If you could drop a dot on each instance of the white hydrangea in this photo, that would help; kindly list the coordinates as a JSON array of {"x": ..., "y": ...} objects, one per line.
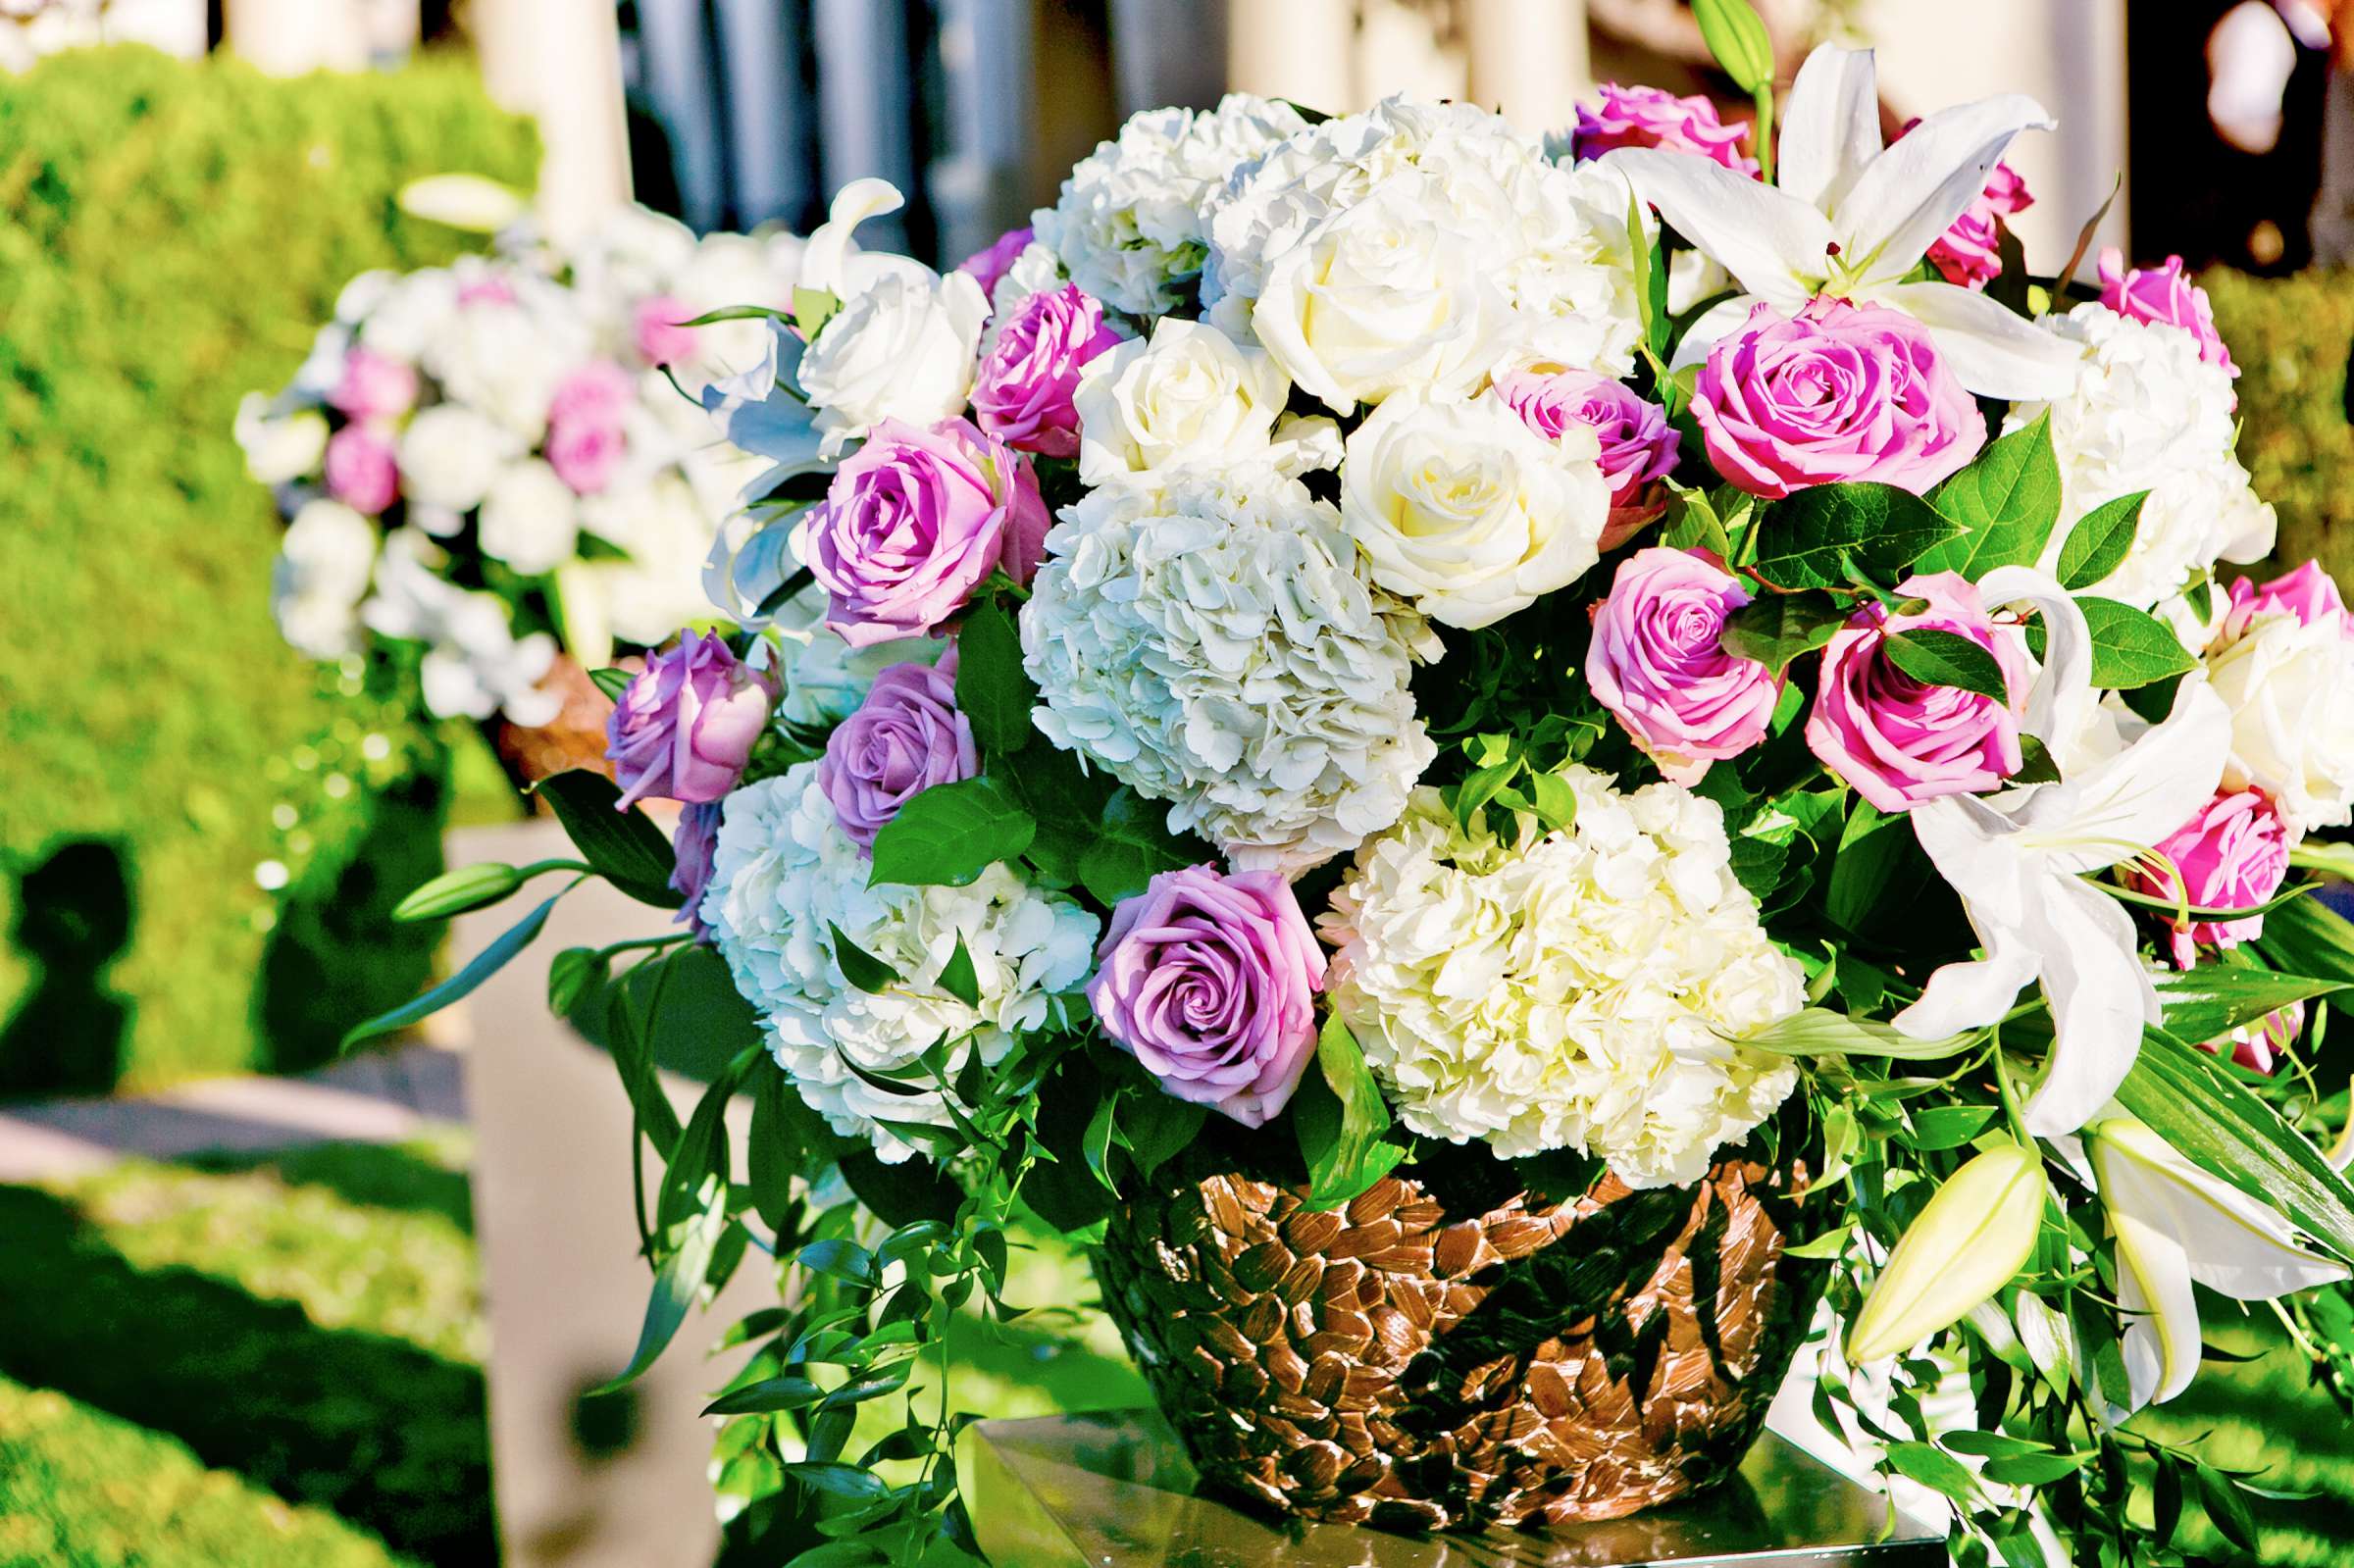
[
  {"x": 783, "y": 873},
  {"x": 826, "y": 680},
  {"x": 321, "y": 576},
  {"x": 474, "y": 664},
  {"x": 1214, "y": 644},
  {"x": 1130, "y": 218},
  {"x": 1571, "y": 990},
  {"x": 2148, "y": 414}
]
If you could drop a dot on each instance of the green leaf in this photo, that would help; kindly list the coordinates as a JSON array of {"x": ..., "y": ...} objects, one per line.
[
  {"x": 1736, "y": 35},
  {"x": 2006, "y": 502},
  {"x": 993, "y": 691},
  {"x": 1128, "y": 845},
  {"x": 2097, "y": 545},
  {"x": 1159, "y": 1125},
  {"x": 1554, "y": 801},
  {"x": 624, "y": 846},
  {"x": 950, "y": 834},
  {"x": 1990, "y": 1445},
  {"x": 859, "y": 967},
  {"x": 1339, "y": 1115},
  {"x": 485, "y": 964},
  {"x": 812, "y": 308},
  {"x": 1480, "y": 786},
  {"x": 841, "y": 1260},
  {"x": 1879, "y": 867},
  {"x": 568, "y": 976},
  {"x": 1950, "y": 1125},
  {"x": 2308, "y": 938},
  {"x": 788, "y": 1391},
  {"x": 454, "y": 892},
  {"x": 1940, "y": 658},
  {"x": 2130, "y": 647},
  {"x": 1934, "y": 1469},
  {"x": 2226, "y": 1509},
  {"x": 612, "y": 682},
  {"x": 1815, "y": 535},
  {"x": 736, "y": 313},
  {"x": 1775, "y": 628},
  {"x": 1095, "y": 1145},
  {"x": 2188, "y": 1098},
  {"x": 1821, "y": 1031},
  {"x": 2034, "y": 1469},
  {"x": 956, "y": 975},
  {"x": 1697, "y": 527},
  {"x": 2210, "y": 1001},
  {"x": 677, "y": 1283}
]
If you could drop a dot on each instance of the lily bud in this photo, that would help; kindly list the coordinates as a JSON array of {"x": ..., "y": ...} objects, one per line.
[{"x": 1977, "y": 1234}]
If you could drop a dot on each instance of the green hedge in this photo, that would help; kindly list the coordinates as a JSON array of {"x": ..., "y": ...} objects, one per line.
[
  {"x": 2291, "y": 337},
  {"x": 170, "y": 238}
]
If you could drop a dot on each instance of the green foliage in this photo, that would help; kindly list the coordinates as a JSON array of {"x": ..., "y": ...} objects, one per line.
[
  {"x": 169, "y": 237},
  {"x": 2291, "y": 338}
]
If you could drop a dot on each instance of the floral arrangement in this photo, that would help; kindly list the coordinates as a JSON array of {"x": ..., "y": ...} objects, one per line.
[
  {"x": 1314, "y": 649},
  {"x": 486, "y": 465}
]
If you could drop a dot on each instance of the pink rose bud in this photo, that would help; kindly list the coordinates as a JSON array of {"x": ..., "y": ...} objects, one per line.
[
  {"x": 905, "y": 737},
  {"x": 373, "y": 385},
  {"x": 1836, "y": 392},
  {"x": 986, "y": 267},
  {"x": 2164, "y": 296},
  {"x": 1970, "y": 253},
  {"x": 2308, "y": 593},
  {"x": 913, "y": 521},
  {"x": 686, "y": 723},
  {"x": 1655, "y": 663},
  {"x": 1652, "y": 117},
  {"x": 1022, "y": 393},
  {"x": 585, "y": 438},
  {"x": 1899, "y": 741},
  {"x": 692, "y": 845},
  {"x": 656, "y": 327},
  {"x": 361, "y": 471},
  {"x": 1638, "y": 445},
  {"x": 2232, "y": 856},
  {"x": 1209, "y": 981}
]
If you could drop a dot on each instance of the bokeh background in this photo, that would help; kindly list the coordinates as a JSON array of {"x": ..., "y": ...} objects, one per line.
[{"x": 243, "y": 1314}]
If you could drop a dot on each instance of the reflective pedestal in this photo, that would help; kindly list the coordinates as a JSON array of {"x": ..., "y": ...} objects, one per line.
[{"x": 1114, "y": 1491}]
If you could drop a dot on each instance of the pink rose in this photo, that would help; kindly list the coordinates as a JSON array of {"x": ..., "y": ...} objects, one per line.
[
  {"x": 913, "y": 521},
  {"x": 2163, "y": 295},
  {"x": 987, "y": 266},
  {"x": 905, "y": 737},
  {"x": 373, "y": 385},
  {"x": 1209, "y": 981},
  {"x": 1970, "y": 253},
  {"x": 585, "y": 440},
  {"x": 361, "y": 471},
  {"x": 1022, "y": 392},
  {"x": 685, "y": 724},
  {"x": 657, "y": 327},
  {"x": 1657, "y": 663},
  {"x": 1651, "y": 117},
  {"x": 2308, "y": 593},
  {"x": 2232, "y": 856},
  {"x": 1898, "y": 740},
  {"x": 1836, "y": 392},
  {"x": 1638, "y": 445}
]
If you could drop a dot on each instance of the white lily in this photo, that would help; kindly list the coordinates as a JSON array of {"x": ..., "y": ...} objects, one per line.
[
  {"x": 2018, "y": 861},
  {"x": 2175, "y": 1224},
  {"x": 1852, "y": 219}
]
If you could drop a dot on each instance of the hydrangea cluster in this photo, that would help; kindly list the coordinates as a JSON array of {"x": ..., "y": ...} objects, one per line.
[
  {"x": 1580, "y": 990},
  {"x": 784, "y": 876}
]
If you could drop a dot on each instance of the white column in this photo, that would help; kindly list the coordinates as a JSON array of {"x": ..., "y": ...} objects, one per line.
[
  {"x": 289, "y": 38},
  {"x": 864, "y": 95},
  {"x": 985, "y": 55},
  {"x": 768, "y": 121},
  {"x": 1304, "y": 50},
  {"x": 559, "y": 61},
  {"x": 1528, "y": 59}
]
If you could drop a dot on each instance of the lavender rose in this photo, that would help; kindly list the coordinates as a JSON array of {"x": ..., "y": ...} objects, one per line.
[
  {"x": 905, "y": 737},
  {"x": 2163, "y": 295},
  {"x": 2232, "y": 856},
  {"x": 373, "y": 385},
  {"x": 1638, "y": 445},
  {"x": 361, "y": 469},
  {"x": 1900, "y": 741},
  {"x": 692, "y": 845},
  {"x": 913, "y": 521},
  {"x": 1022, "y": 393},
  {"x": 686, "y": 723},
  {"x": 1838, "y": 391},
  {"x": 1652, "y": 117},
  {"x": 1655, "y": 662},
  {"x": 1207, "y": 981},
  {"x": 585, "y": 440}
]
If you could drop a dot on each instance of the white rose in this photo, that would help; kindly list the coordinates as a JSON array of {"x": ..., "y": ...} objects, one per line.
[
  {"x": 531, "y": 518},
  {"x": 509, "y": 360},
  {"x": 320, "y": 577},
  {"x": 450, "y": 456},
  {"x": 407, "y": 314},
  {"x": 279, "y": 448},
  {"x": 1189, "y": 395},
  {"x": 2290, "y": 690},
  {"x": 1390, "y": 293},
  {"x": 1464, "y": 509},
  {"x": 904, "y": 348}
]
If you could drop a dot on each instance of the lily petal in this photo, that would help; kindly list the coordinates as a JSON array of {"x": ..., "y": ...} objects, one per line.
[
  {"x": 2064, "y": 690},
  {"x": 1973, "y": 847},
  {"x": 1913, "y": 191},
  {"x": 2117, "y": 808},
  {"x": 1830, "y": 127},
  {"x": 854, "y": 204},
  {"x": 2238, "y": 1244},
  {"x": 2160, "y": 1344},
  {"x": 2100, "y": 996},
  {"x": 1710, "y": 324},
  {"x": 1993, "y": 351},
  {"x": 1774, "y": 243}
]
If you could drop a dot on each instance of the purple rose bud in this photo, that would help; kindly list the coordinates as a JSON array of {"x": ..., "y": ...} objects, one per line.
[
  {"x": 1022, "y": 393},
  {"x": 2232, "y": 856},
  {"x": 361, "y": 471},
  {"x": 686, "y": 724},
  {"x": 1638, "y": 444},
  {"x": 1208, "y": 980},
  {"x": 1655, "y": 662},
  {"x": 913, "y": 521},
  {"x": 1836, "y": 392},
  {"x": 657, "y": 327},
  {"x": 373, "y": 385},
  {"x": 1970, "y": 252},
  {"x": 1652, "y": 117},
  {"x": 2163, "y": 295},
  {"x": 1899, "y": 741},
  {"x": 585, "y": 440},
  {"x": 986, "y": 267},
  {"x": 905, "y": 737},
  {"x": 691, "y": 846}
]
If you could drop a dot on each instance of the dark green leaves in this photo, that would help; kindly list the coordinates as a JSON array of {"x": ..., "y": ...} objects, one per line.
[
  {"x": 624, "y": 846},
  {"x": 950, "y": 834},
  {"x": 2006, "y": 504},
  {"x": 862, "y": 968},
  {"x": 1340, "y": 1118},
  {"x": 1813, "y": 537},
  {"x": 1127, "y": 844},
  {"x": 1946, "y": 659},
  {"x": 2129, "y": 647},
  {"x": 956, "y": 975},
  {"x": 489, "y": 961},
  {"x": 1736, "y": 35},
  {"x": 1775, "y": 628},
  {"x": 991, "y": 691},
  {"x": 2097, "y": 545}
]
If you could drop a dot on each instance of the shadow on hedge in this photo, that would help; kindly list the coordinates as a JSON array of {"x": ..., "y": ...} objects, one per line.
[
  {"x": 385, "y": 1434},
  {"x": 75, "y": 911}
]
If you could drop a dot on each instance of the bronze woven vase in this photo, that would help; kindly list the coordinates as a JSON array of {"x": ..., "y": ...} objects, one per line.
[{"x": 1431, "y": 1358}]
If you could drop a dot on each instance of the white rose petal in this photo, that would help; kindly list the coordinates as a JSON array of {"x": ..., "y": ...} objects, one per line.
[
  {"x": 904, "y": 348},
  {"x": 450, "y": 456},
  {"x": 2290, "y": 690},
  {"x": 531, "y": 518},
  {"x": 1190, "y": 394}
]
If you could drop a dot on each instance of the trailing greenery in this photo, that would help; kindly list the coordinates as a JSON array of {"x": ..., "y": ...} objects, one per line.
[
  {"x": 2291, "y": 337},
  {"x": 169, "y": 234}
]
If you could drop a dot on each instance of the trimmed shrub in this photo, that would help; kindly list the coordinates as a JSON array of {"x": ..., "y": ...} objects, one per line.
[
  {"x": 170, "y": 237},
  {"x": 2291, "y": 337}
]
